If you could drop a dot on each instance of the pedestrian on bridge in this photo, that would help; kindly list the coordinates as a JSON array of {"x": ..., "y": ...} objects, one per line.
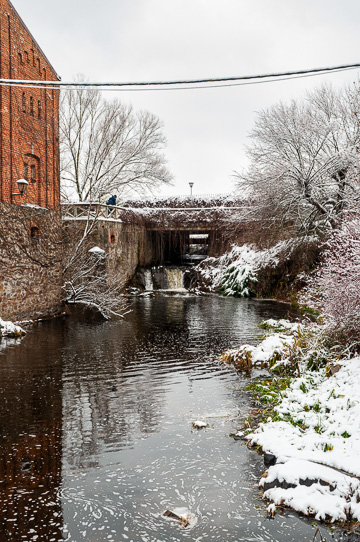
[{"x": 111, "y": 201}]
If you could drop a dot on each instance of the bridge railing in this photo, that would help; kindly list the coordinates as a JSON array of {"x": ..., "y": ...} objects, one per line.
[{"x": 91, "y": 211}]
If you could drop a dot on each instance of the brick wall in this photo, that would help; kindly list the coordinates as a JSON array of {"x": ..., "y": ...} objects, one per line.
[{"x": 29, "y": 117}]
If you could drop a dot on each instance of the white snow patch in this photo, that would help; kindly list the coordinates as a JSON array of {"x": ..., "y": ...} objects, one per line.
[
  {"x": 9, "y": 329},
  {"x": 97, "y": 250}
]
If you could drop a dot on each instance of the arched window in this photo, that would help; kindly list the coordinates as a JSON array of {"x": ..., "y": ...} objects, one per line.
[
  {"x": 39, "y": 109},
  {"x": 26, "y": 171},
  {"x": 33, "y": 173},
  {"x": 24, "y": 102},
  {"x": 31, "y": 106},
  {"x": 113, "y": 238}
]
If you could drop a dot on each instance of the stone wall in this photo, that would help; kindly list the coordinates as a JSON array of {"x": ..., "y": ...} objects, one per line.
[
  {"x": 127, "y": 246},
  {"x": 30, "y": 262}
]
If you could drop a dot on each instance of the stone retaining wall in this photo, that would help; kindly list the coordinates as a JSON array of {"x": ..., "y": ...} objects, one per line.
[{"x": 30, "y": 262}]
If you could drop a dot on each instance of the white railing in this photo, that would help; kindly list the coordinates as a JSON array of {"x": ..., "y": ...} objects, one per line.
[
  {"x": 91, "y": 211},
  {"x": 101, "y": 211}
]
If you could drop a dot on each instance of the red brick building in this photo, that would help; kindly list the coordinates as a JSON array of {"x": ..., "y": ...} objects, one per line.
[
  {"x": 30, "y": 241},
  {"x": 29, "y": 117}
]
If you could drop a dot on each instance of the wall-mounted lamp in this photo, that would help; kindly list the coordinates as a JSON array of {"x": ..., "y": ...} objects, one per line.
[{"x": 22, "y": 186}]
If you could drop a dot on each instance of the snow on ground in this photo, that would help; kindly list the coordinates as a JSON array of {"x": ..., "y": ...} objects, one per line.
[
  {"x": 237, "y": 269},
  {"x": 317, "y": 426},
  {"x": 8, "y": 329}
]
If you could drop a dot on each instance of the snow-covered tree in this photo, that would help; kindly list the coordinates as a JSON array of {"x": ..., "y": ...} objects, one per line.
[
  {"x": 108, "y": 148},
  {"x": 303, "y": 160},
  {"x": 334, "y": 288}
]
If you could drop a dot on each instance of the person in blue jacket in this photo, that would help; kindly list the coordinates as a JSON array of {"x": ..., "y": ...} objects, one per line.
[{"x": 111, "y": 201}]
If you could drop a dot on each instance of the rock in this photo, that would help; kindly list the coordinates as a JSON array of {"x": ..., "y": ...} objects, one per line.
[
  {"x": 239, "y": 435},
  {"x": 269, "y": 460},
  {"x": 182, "y": 520},
  {"x": 199, "y": 424},
  {"x": 332, "y": 368}
]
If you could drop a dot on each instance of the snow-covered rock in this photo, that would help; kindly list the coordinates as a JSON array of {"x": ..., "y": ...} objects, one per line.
[{"x": 8, "y": 329}]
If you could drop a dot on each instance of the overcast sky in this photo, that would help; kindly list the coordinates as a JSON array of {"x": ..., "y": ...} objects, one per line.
[{"x": 137, "y": 40}]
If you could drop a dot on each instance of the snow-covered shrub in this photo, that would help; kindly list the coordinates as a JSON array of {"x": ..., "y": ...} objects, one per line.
[
  {"x": 236, "y": 272},
  {"x": 335, "y": 288},
  {"x": 237, "y": 281}
]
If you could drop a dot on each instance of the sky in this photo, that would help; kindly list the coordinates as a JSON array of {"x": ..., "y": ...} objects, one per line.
[{"x": 207, "y": 130}]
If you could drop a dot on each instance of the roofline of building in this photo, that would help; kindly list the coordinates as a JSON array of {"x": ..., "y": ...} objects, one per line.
[{"x": 34, "y": 40}]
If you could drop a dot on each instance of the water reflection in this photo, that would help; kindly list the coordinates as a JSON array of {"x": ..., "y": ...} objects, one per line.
[
  {"x": 31, "y": 443},
  {"x": 96, "y": 428}
]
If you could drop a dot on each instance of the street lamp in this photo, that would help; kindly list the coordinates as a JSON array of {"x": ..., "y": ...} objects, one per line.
[
  {"x": 191, "y": 187},
  {"x": 22, "y": 186}
]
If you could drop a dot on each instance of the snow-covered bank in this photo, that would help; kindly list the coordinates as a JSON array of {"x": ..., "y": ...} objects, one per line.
[
  {"x": 236, "y": 271},
  {"x": 8, "y": 329},
  {"x": 247, "y": 270},
  {"x": 314, "y": 433},
  {"x": 272, "y": 348}
]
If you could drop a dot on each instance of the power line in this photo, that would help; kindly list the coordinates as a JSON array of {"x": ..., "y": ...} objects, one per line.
[{"x": 185, "y": 84}]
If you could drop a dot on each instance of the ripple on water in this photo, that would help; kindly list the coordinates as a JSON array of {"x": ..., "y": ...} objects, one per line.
[{"x": 103, "y": 412}]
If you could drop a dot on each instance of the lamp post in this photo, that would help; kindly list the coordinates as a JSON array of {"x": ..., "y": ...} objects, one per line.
[
  {"x": 191, "y": 188},
  {"x": 22, "y": 186}
]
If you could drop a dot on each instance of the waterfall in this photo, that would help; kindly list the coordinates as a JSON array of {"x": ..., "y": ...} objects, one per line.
[
  {"x": 174, "y": 278},
  {"x": 162, "y": 278},
  {"x": 148, "y": 280}
]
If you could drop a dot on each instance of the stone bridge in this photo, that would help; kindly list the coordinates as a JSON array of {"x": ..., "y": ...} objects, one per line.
[{"x": 176, "y": 230}]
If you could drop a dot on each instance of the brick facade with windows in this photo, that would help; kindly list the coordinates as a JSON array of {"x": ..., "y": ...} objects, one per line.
[
  {"x": 29, "y": 117},
  {"x": 30, "y": 238}
]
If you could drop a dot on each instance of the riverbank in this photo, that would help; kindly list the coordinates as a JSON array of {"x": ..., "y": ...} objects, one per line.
[
  {"x": 309, "y": 427},
  {"x": 250, "y": 271}
]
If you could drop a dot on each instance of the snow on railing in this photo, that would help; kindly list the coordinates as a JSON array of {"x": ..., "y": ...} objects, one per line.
[{"x": 101, "y": 211}]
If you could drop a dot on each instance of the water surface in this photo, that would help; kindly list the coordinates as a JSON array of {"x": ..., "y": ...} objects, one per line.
[{"x": 96, "y": 428}]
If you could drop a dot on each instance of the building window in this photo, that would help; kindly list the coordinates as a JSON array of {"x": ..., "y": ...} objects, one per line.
[
  {"x": 33, "y": 174},
  {"x": 38, "y": 63},
  {"x": 26, "y": 171},
  {"x": 39, "y": 109},
  {"x": 24, "y": 102},
  {"x": 113, "y": 238},
  {"x": 31, "y": 106}
]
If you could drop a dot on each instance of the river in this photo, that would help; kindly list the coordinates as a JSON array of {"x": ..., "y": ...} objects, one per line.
[{"x": 96, "y": 428}]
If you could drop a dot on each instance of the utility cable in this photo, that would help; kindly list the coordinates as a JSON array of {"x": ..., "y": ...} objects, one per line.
[{"x": 208, "y": 83}]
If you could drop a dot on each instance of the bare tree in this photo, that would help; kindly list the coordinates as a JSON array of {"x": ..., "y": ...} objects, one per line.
[
  {"x": 106, "y": 147},
  {"x": 303, "y": 160},
  {"x": 87, "y": 281}
]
